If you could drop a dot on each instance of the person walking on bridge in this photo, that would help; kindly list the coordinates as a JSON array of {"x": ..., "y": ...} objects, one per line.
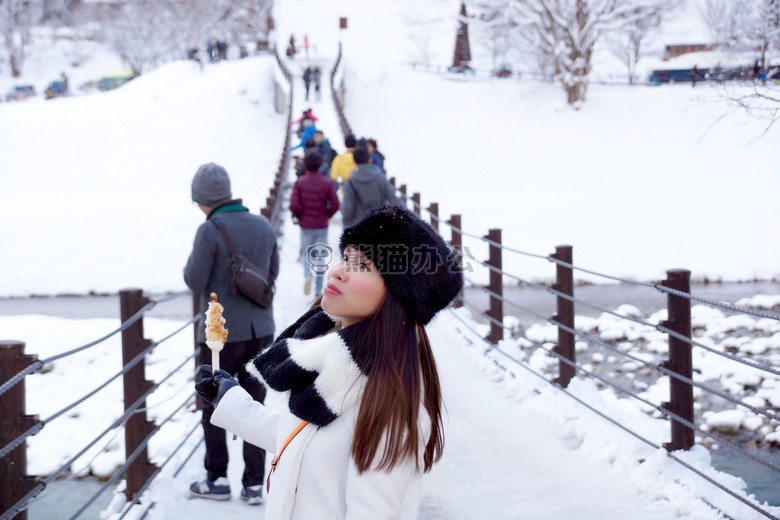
[
  {"x": 307, "y": 80},
  {"x": 313, "y": 202},
  {"x": 366, "y": 187},
  {"x": 342, "y": 165},
  {"x": 362, "y": 417},
  {"x": 209, "y": 269}
]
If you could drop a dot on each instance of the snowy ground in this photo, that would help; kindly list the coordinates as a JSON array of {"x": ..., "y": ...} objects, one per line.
[{"x": 99, "y": 201}]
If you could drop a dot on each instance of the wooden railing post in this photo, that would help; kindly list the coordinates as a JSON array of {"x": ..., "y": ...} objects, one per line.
[
  {"x": 456, "y": 243},
  {"x": 680, "y": 359},
  {"x": 496, "y": 287},
  {"x": 14, "y": 482},
  {"x": 195, "y": 328},
  {"x": 433, "y": 209},
  {"x": 565, "y": 315},
  {"x": 416, "y": 203},
  {"x": 137, "y": 427}
]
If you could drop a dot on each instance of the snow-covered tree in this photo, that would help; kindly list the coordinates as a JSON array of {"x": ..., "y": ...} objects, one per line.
[
  {"x": 248, "y": 20},
  {"x": 725, "y": 19},
  {"x": 628, "y": 43},
  {"x": 82, "y": 36},
  {"x": 195, "y": 21},
  {"x": 139, "y": 31},
  {"x": 17, "y": 18},
  {"x": 497, "y": 34},
  {"x": 567, "y": 31},
  {"x": 763, "y": 28}
]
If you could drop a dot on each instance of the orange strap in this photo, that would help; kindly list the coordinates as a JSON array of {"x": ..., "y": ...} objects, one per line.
[{"x": 276, "y": 458}]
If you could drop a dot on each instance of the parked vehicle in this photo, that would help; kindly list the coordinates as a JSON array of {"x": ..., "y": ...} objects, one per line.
[
  {"x": 20, "y": 93},
  {"x": 56, "y": 89},
  {"x": 115, "y": 79},
  {"x": 463, "y": 68},
  {"x": 504, "y": 71}
]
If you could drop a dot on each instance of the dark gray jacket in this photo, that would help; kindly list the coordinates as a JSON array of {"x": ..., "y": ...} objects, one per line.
[
  {"x": 208, "y": 270},
  {"x": 367, "y": 186}
]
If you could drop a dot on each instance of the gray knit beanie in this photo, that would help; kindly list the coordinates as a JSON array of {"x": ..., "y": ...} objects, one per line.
[{"x": 211, "y": 186}]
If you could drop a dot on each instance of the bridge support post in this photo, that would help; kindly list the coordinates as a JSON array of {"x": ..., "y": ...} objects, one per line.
[
  {"x": 496, "y": 287},
  {"x": 416, "y": 206},
  {"x": 13, "y": 422},
  {"x": 680, "y": 359},
  {"x": 565, "y": 314},
  {"x": 456, "y": 243},
  {"x": 195, "y": 327},
  {"x": 137, "y": 427},
  {"x": 433, "y": 209}
]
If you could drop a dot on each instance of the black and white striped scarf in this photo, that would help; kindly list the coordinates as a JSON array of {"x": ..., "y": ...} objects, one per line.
[{"x": 323, "y": 371}]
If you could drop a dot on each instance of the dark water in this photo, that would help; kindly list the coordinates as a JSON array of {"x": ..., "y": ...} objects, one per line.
[
  {"x": 62, "y": 499},
  {"x": 762, "y": 481}
]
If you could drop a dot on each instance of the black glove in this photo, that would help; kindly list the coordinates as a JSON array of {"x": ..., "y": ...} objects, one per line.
[{"x": 213, "y": 386}]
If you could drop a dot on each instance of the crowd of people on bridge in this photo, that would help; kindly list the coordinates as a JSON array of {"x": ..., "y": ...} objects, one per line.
[
  {"x": 363, "y": 414},
  {"x": 358, "y": 175}
]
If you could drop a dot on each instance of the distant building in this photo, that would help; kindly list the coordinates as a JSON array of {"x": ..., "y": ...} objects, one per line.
[{"x": 672, "y": 51}]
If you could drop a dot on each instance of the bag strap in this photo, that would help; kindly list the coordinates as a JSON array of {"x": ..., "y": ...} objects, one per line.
[
  {"x": 228, "y": 242},
  {"x": 295, "y": 432}
]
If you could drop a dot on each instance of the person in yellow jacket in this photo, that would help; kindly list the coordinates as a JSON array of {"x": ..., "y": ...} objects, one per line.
[{"x": 342, "y": 165}]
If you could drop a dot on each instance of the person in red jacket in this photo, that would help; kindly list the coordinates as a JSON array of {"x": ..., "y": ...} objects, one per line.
[{"x": 313, "y": 202}]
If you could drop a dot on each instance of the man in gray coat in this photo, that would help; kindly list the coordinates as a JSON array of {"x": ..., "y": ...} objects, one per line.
[
  {"x": 367, "y": 186},
  {"x": 250, "y": 327}
]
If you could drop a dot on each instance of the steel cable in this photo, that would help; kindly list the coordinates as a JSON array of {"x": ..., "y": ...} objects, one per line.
[
  {"x": 724, "y": 305},
  {"x": 38, "y": 364},
  {"x": 663, "y": 411},
  {"x": 666, "y": 330},
  {"x": 491, "y": 318},
  {"x": 39, "y": 425},
  {"x": 172, "y": 297},
  {"x": 655, "y": 285},
  {"x": 635, "y": 434},
  {"x": 136, "y": 453},
  {"x": 154, "y": 475},
  {"x": 603, "y": 344}
]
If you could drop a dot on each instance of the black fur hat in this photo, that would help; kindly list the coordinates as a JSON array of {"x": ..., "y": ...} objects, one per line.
[{"x": 416, "y": 264}]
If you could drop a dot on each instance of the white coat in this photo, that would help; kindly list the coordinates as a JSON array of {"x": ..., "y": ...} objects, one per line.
[{"x": 316, "y": 477}]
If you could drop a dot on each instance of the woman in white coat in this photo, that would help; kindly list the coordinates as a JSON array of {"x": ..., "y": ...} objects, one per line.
[{"x": 363, "y": 415}]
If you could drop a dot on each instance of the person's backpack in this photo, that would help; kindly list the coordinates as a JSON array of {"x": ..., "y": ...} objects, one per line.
[{"x": 248, "y": 279}]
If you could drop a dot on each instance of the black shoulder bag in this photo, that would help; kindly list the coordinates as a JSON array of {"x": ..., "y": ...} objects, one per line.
[{"x": 248, "y": 279}]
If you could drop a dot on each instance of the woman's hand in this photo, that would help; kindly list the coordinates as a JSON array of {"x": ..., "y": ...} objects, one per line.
[{"x": 214, "y": 385}]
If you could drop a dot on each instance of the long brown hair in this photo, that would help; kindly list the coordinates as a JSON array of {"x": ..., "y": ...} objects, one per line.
[{"x": 401, "y": 371}]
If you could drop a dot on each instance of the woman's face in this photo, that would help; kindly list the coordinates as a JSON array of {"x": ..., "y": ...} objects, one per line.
[{"x": 355, "y": 288}]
